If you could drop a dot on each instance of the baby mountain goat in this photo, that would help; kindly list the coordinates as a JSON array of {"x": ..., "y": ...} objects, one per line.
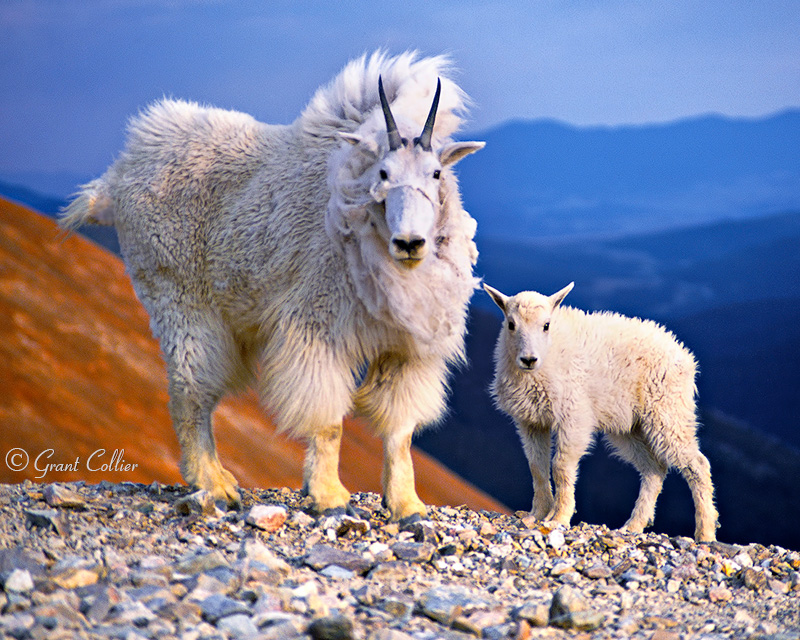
[
  {"x": 331, "y": 256},
  {"x": 562, "y": 372}
]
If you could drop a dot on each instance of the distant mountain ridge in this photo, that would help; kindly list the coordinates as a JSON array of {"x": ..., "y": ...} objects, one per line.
[{"x": 549, "y": 179}]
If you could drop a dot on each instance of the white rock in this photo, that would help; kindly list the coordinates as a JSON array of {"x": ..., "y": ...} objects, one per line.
[
  {"x": 19, "y": 581},
  {"x": 743, "y": 559},
  {"x": 268, "y": 517},
  {"x": 556, "y": 539}
]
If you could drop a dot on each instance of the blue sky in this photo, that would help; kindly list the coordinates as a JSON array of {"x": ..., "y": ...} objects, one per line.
[{"x": 73, "y": 71}]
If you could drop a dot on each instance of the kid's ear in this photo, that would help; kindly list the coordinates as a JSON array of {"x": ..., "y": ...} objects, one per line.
[
  {"x": 453, "y": 152},
  {"x": 558, "y": 297},
  {"x": 499, "y": 299}
]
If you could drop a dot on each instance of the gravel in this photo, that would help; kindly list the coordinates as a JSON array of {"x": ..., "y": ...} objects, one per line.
[{"x": 134, "y": 561}]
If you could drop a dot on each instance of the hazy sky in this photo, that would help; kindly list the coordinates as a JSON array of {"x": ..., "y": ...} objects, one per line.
[{"x": 73, "y": 71}]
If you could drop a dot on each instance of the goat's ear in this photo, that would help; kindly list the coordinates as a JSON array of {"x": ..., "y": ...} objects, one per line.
[
  {"x": 367, "y": 145},
  {"x": 558, "y": 297},
  {"x": 350, "y": 138},
  {"x": 499, "y": 299},
  {"x": 453, "y": 152}
]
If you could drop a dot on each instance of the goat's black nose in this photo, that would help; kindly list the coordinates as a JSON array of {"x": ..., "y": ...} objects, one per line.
[
  {"x": 528, "y": 362},
  {"x": 409, "y": 246}
]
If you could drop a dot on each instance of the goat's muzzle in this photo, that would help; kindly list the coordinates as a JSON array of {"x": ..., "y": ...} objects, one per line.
[
  {"x": 409, "y": 216},
  {"x": 528, "y": 363},
  {"x": 409, "y": 251}
]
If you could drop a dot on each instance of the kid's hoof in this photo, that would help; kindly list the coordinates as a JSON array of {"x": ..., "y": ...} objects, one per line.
[{"x": 631, "y": 528}]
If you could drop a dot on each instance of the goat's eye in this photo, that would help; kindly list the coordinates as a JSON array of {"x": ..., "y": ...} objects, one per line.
[
  {"x": 511, "y": 325},
  {"x": 437, "y": 174},
  {"x": 382, "y": 173},
  {"x": 546, "y": 326}
]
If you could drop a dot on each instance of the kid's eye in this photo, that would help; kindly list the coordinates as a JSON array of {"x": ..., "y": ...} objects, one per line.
[
  {"x": 511, "y": 325},
  {"x": 546, "y": 326},
  {"x": 437, "y": 174},
  {"x": 382, "y": 173}
]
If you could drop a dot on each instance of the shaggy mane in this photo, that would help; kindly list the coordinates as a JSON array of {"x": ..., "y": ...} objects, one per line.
[
  {"x": 351, "y": 98},
  {"x": 429, "y": 302}
]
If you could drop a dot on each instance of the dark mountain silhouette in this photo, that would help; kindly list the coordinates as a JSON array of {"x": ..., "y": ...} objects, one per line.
[
  {"x": 81, "y": 375},
  {"x": 543, "y": 178},
  {"x": 749, "y": 356}
]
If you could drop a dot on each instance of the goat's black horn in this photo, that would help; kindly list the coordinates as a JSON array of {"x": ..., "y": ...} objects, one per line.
[
  {"x": 395, "y": 141},
  {"x": 424, "y": 139}
]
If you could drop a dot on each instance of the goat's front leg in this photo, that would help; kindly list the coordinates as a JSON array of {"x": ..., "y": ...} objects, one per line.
[
  {"x": 321, "y": 470},
  {"x": 398, "y": 395},
  {"x": 536, "y": 443},
  {"x": 399, "y": 489},
  {"x": 571, "y": 442}
]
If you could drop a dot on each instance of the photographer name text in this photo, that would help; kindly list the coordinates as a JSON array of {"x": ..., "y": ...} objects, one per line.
[{"x": 99, "y": 461}]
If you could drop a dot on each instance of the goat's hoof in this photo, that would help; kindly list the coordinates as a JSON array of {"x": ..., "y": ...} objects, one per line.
[
  {"x": 410, "y": 509},
  {"x": 409, "y": 520},
  {"x": 332, "y": 504}
]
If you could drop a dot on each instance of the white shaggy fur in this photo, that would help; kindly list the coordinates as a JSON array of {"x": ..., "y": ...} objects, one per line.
[
  {"x": 274, "y": 249},
  {"x": 565, "y": 373}
]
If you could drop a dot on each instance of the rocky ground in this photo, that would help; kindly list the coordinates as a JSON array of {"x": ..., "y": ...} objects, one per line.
[{"x": 133, "y": 561}]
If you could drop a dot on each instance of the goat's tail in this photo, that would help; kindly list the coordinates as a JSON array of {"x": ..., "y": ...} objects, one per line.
[{"x": 92, "y": 205}]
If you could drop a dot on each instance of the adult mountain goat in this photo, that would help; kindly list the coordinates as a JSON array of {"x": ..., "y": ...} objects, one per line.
[
  {"x": 331, "y": 255},
  {"x": 565, "y": 373}
]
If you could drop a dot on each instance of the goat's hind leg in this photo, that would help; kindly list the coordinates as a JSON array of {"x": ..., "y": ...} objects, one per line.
[
  {"x": 697, "y": 473},
  {"x": 632, "y": 449},
  {"x": 199, "y": 370}
]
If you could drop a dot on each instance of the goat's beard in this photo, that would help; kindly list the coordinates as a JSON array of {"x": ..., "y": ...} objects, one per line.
[{"x": 429, "y": 302}]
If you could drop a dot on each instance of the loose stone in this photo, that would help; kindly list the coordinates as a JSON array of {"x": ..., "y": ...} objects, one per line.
[
  {"x": 19, "y": 581},
  {"x": 413, "y": 551},
  {"x": 754, "y": 579},
  {"x": 267, "y": 517},
  {"x": 323, "y": 555},
  {"x": 535, "y": 613},
  {"x": 238, "y": 626},
  {"x": 218, "y": 606},
  {"x": 331, "y": 628},
  {"x": 57, "y": 495}
]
